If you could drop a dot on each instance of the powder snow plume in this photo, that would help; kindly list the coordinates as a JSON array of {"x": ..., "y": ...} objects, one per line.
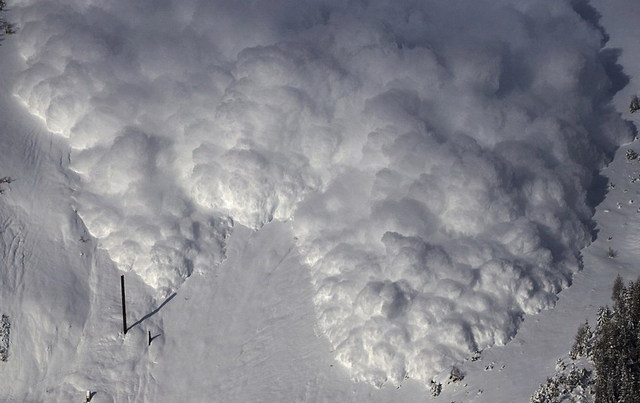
[{"x": 434, "y": 158}]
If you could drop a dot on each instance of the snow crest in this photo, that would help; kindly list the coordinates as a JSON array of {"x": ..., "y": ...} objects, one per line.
[{"x": 434, "y": 158}]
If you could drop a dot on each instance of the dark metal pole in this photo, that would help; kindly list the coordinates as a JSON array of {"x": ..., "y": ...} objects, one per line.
[{"x": 124, "y": 306}]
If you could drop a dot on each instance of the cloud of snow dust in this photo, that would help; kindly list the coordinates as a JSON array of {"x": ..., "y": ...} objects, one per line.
[{"x": 433, "y": 157}]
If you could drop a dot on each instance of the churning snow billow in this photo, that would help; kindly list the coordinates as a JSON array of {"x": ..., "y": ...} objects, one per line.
[{"x": 433, "y": 158}]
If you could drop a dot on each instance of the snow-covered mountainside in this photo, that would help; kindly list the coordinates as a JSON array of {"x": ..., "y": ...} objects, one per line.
[{"x": 310, "y": 201}]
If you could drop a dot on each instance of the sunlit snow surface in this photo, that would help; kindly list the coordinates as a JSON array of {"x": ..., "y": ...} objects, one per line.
[{"x": 433, "y": 157}]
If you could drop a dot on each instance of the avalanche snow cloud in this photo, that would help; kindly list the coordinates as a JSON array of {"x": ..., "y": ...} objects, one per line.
[{"x": 433, "y": 157}]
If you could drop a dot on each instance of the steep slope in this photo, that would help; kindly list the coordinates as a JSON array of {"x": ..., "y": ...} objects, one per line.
[
  {"x": 45, "y": 276},
  {"x": 246, "y": 326}
]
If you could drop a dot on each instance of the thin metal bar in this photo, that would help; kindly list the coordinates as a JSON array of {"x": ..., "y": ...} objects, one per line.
[{"x": 124, "y": 306}]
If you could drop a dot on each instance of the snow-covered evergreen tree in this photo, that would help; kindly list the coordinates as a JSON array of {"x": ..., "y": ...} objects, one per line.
[
  {"x": 5, "y": 26},
  {"x": 618, "y": 286},
  {"x": 572, "y": 384},
  {"x": 635, "y": 104},
  {"x": 616, "y": 350},
  {"x": 582, "y": 346},
  {"x": 436, "y": 388},
  {"x": 5, "y": 330}
]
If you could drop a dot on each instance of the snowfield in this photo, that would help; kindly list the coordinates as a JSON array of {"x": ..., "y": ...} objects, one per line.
[{"x": 317, "y": 201}]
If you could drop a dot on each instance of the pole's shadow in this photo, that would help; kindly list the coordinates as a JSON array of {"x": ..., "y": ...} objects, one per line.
[
  {"x": 151, "y": 339},
  {"x": 150, "y": 314}
]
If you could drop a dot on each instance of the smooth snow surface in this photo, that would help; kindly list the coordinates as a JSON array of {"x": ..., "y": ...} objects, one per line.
[
  {"x": 388, "y": 185},
  {"x": 433, "y": 158}
]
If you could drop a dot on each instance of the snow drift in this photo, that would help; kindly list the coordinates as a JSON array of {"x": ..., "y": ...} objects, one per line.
[{"x": 434, "y": 158}]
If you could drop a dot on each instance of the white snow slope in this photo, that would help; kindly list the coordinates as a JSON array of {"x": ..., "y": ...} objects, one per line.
[{"x": 310, "y": 201}]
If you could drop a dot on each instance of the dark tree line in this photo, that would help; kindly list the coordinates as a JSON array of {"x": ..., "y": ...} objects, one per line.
[
  {"x": 5, "y": 330},
  {"x": 614, "y": 346},
  {"x": 635, "y": 104},
  {"x": 6, "y": 28}
]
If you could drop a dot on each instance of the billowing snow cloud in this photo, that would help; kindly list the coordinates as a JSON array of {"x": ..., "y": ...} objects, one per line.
[{"x": 433, "y": 157}]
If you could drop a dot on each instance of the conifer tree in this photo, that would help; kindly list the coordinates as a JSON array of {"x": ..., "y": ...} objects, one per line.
[
  {"x": 616, "y": 347},
  {"x": 635, "y": 104},
  {"x": 603, "y": 355},
  {"x": 581, "y": 347},
  {"x": 616, "y": 293},
  {"x": 5, "y": 331},
  {"x": 6, "y": 28}
]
